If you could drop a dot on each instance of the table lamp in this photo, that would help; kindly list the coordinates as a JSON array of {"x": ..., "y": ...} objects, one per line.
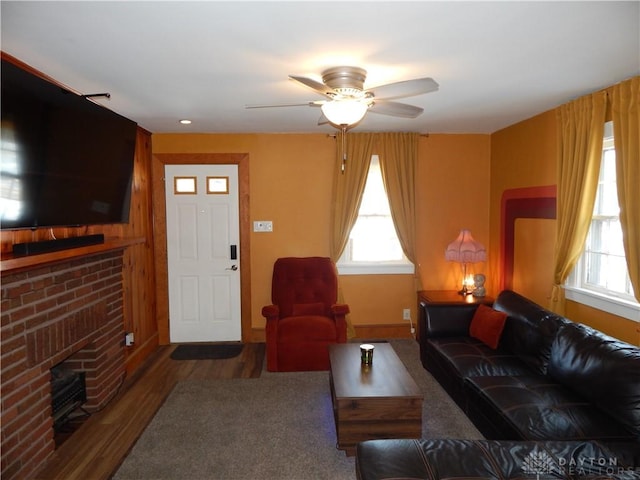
[{"x": 465, "y": 250}]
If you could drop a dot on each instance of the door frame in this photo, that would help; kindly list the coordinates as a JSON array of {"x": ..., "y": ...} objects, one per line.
[{"x": 159, "y": 160}]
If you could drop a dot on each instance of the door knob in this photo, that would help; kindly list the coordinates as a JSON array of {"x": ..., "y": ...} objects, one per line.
[{"x": 233, "y": 267}]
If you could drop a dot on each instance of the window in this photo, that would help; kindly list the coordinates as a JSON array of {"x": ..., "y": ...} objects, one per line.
[
  {"x": 601, "y": 278},
  {"x": 373, "y": 245},
  {"x": 185, "y": 185}
]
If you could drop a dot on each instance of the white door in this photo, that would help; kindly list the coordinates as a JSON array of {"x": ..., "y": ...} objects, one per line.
[{"x": 203, "y": 249}]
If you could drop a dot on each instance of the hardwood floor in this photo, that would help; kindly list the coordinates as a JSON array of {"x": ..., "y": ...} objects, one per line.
[{"x": 100, "y": 444}]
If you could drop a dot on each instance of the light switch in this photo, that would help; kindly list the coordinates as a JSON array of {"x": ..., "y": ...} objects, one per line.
[{"x": 263, "y": 226}]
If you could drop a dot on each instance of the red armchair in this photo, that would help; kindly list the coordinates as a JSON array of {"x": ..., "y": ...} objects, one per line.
[{"x": 304, "y": 318}]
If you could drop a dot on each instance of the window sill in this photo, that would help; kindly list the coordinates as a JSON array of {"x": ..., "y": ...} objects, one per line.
[
  {"x": 615, "y": 306},
  {"x": 376, "y": 269}
]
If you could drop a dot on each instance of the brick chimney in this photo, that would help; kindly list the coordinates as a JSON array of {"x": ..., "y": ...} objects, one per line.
[{"x": 70, "y": 311}]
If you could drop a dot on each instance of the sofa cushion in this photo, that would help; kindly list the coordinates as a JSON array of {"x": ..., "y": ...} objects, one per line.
[
  {"x": 445, "y": 320},
  {"x": 529, "y": 330},
  {"x": 538, "y": 408},
  {"x": 298, "y": 280},
  {"x": 450, "y": 359},
  {"x": 306, "y": 327},
  {"x": 487, "y": 325},
  {"x": 601, "y": 369},
  {"x": 432, "y": 459},
  {"x": 316, "y": 308},
  {"x": 468, "y": 357}
]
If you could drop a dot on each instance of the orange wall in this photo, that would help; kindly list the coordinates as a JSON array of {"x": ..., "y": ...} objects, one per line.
[
  {"x": 290, "y": 184},
  {"x": 531, "y": 244},
  {"x": 615, "y": 326},
  {"x": 453, "y": 193},
  {"x": 524, "y": 155},
  {"x": 461, "y": 179}
]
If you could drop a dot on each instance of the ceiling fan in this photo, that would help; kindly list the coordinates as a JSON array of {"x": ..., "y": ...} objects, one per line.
[{"x": 347, "y": 101}]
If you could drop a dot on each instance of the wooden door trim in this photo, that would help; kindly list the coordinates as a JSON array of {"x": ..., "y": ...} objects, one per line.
[{"x": 160, "y": 233}]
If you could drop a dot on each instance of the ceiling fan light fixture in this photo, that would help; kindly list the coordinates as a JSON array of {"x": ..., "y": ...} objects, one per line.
[
  {"x": 344, "y": 112},
  {"x": 346, "y": 100}
]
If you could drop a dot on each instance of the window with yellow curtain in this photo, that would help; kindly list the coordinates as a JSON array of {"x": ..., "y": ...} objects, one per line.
[
  {"x": 373, "y": 246},
  {"x": 601, "y": 278}
]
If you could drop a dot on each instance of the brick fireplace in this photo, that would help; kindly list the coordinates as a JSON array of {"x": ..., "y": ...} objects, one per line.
[{"x": 69, "y": 311}]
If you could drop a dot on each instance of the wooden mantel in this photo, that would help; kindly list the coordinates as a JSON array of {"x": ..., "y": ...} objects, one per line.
[{"x": 11, "y": 264}]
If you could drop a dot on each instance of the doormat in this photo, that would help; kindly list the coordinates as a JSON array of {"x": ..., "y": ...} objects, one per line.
[{"x": 206, "y": 352}]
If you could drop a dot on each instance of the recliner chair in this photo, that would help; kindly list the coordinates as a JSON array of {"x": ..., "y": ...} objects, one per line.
[{"x": 304, "y": 318}]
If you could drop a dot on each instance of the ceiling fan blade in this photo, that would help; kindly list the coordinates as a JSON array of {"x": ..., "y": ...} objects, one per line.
[
  {"x": 317, "y": 103},
  {"x": 395, "y": 109},
  {"x": 407, "y": 88},
  {"x": 321, "y": 88}
]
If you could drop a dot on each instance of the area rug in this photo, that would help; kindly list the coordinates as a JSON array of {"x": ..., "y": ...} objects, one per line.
[
  {"x": 206, "y": 352},
  {"x": 278, "y": 426}
]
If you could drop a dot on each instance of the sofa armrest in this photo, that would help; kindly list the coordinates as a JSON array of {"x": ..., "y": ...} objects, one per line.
[
  {"x": 443, "y": 320},
  {"x": 271, "y": 312},
  {"x": 340, "y": 309}
]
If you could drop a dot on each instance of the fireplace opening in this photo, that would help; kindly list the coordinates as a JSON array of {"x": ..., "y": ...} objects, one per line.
[{"x": 68, "y": 394}]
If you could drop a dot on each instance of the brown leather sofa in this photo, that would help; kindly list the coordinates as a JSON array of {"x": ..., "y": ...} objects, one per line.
[
  {"x": 549, "y": 378},
  {"x": 406, "y": 459},
  {"x": 555, "y": 399}
]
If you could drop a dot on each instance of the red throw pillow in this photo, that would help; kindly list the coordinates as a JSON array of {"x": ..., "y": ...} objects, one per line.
[{"x": 487, "y": 325}]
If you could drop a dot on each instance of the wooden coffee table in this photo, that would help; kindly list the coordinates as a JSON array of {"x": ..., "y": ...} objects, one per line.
[{"x": 380, "y": 401}]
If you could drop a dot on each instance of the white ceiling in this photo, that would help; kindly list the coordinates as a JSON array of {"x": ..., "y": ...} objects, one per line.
[{"x": 496, "y": 62}]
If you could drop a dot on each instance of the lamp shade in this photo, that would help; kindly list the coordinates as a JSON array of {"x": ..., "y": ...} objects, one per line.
[
  {"x": 465, "y": 249},
  {"x": 344, "y": 112}
]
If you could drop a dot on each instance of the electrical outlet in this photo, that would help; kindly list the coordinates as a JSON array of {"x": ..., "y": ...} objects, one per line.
[
  {"x": 128, "y": 339},
  {"x": 406, "y": 314}
]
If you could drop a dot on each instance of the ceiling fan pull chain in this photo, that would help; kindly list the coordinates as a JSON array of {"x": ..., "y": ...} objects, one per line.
[{"x": 344, "y": 147}]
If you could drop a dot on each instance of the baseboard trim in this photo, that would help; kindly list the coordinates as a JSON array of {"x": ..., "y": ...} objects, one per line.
[
  {"x": 135, "y": 357},
  {"x": 381, "y": 331}
]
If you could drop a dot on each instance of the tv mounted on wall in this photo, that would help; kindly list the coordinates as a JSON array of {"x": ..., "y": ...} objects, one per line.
[{"x": 65, "y": 160}]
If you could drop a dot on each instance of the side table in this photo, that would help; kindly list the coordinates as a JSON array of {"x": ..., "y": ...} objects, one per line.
[{"x": 450, "y": 297}]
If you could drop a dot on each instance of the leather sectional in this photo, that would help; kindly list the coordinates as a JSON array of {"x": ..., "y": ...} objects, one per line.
[
  {"x": 549, "y": 378},
  {"x": 431, "y": 459},
  {"x": 549, "y": 382}
]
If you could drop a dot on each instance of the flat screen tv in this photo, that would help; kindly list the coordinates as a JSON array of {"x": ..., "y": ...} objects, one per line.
[{"x": 64, "y": 160}]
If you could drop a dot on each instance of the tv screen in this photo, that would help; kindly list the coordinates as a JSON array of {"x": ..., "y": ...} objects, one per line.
[{"x": 64, "y": 160}]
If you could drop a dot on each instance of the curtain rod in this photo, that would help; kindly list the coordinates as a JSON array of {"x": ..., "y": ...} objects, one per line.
[{"x": 334, "y": 135}]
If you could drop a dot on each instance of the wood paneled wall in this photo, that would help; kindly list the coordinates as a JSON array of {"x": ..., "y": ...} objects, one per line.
[{"x": 138, "y": 268}]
